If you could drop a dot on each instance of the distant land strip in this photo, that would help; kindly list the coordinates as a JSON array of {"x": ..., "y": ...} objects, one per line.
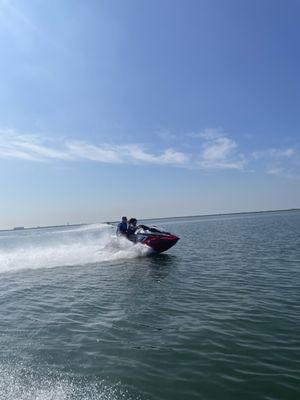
[
  {"x": 221, "y": 214},
  {"x": 21, "y": 228}
]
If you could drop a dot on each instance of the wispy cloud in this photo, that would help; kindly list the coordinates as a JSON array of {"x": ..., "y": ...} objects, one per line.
[
  {"x": 274, "y": 153},
  {"x": 209, "y": 150},
  {"x": 37, "y": 148},
  {"x": 28, "y": 147},
  {"x": 169, "y": 156},
  {"x": 219, "y": 151},
  {"x": 282, "y": 162},
  {"x": 79, "y": 150}
]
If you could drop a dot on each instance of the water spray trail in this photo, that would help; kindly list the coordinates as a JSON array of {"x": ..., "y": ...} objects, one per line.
[{"x": 65, "y": 247}]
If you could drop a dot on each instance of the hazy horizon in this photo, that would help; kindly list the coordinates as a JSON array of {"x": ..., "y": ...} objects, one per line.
[{"x": 115, "y": 221}]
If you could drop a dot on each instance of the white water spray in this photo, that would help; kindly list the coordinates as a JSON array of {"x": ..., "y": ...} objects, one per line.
[{"x": 45, "y": 248}]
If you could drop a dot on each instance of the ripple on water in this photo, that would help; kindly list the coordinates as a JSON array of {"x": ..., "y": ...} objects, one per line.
[{"x": 216, "y": 318}]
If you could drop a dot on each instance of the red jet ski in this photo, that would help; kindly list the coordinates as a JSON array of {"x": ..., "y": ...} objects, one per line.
[{"x": 159, "y": 241}]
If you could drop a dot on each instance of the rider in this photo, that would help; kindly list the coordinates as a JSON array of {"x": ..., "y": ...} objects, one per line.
[
  {"x": 122, "y": 227},
  {"x": 132, "y": 227}
]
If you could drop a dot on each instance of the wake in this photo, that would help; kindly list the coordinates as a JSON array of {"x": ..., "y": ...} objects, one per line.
[{"x": 66, "y": 247}]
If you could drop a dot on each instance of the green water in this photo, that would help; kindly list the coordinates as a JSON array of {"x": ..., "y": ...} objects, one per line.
[{"x": 217, "y": 317}]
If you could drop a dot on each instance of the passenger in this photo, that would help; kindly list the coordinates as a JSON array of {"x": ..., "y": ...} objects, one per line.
[
  {"x": 122, "y": 227},
  {"x": 132, "y": 227}
]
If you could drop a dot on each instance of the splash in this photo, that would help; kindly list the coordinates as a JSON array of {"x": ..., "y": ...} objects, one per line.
[{"x": 65, "y": 247}]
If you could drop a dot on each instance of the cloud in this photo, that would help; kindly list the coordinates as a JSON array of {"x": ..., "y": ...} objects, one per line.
[
  {"x": 42, "y": 152},
  {"x": 84, "y": 151},
  {"x": 169, "y": 156},
  {"x": 37, "y": 148},
  {"x": 274, "y": 153},
  {"x": 209, "y": 150},
  {"x": 282, "y": 162},
  {"x": 218, "y": 151},
  {"x": 28, "y": 147}
]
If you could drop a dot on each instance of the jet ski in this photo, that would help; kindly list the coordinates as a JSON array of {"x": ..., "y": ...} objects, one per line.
[{"x": 158, "y": 240}]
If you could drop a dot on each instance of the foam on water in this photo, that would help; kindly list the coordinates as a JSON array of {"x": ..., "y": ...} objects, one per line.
[
  {"x": 22, "y": 383},
  {"x": 65, "y": 247}
]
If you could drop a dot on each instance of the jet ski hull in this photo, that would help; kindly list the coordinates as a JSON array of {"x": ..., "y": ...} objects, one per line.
[{"x": 161, "y": 243}]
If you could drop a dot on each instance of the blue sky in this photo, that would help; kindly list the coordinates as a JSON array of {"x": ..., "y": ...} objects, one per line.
[{"x": 147, "y": 108}]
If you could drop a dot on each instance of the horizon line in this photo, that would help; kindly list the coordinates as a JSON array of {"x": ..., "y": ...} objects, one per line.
[{"x": 18, "y": 228}]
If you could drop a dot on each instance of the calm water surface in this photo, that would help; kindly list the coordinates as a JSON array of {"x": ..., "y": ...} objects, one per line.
[{"x": 87, "y": 316}]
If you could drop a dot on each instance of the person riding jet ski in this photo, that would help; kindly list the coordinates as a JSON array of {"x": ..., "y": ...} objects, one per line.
[
  {"x": 132, "y": 227},
  {"x": 122, "y": 227}
]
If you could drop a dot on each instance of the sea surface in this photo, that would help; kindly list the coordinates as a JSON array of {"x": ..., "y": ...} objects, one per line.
[{"x": 85, "y": 315}]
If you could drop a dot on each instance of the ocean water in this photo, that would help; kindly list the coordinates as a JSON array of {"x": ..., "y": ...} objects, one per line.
[{"x": 85, "y": 315}]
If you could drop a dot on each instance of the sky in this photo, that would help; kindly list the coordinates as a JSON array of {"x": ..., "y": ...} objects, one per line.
[{"x": 147, "y": 108}]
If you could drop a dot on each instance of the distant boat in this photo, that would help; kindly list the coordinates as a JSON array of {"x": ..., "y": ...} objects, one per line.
[{"x": 18, "y": 228}]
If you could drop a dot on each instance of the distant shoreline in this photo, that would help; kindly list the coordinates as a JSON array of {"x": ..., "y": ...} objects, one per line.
[
  {"x": 22, "y": 228},
  {"x": 224, "y": 214},
  {"x": 149, "y": 219}
]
